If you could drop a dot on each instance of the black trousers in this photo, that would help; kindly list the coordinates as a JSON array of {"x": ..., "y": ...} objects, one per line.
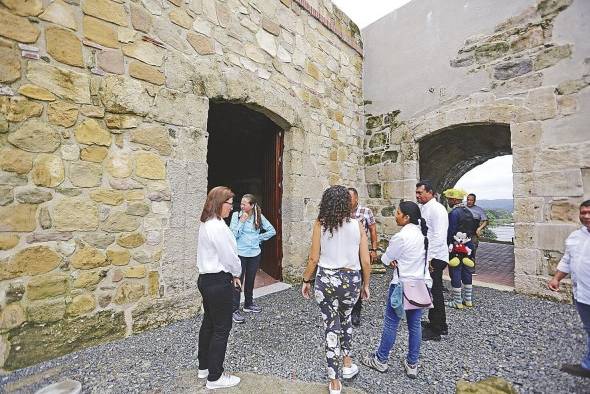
[
  {"x": 217, "y": 291},
  {"x": 249, "y": 269},
  {"x": 437, "y": 315}
]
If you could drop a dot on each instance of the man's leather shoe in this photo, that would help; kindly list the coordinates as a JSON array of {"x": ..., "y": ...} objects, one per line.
[
  {"x": 575, "y": 370},
  {"x": 426, "y": 324}
]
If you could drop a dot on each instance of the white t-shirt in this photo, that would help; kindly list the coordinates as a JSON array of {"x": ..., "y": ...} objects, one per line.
[
  {"x": 341, "y": 249},
  {"x": 437, "y": 220},
  {"x": 217, "y": 250},
  {"x": 407, "y": 248}
]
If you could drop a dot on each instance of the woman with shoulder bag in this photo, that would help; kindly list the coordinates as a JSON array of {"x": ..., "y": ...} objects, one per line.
[
  {"x": 407, "y": 254},
  {"x": 338, "y": 249}
]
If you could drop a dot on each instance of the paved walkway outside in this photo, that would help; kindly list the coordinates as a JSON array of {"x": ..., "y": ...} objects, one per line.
[{"x": 495, "y": 263}]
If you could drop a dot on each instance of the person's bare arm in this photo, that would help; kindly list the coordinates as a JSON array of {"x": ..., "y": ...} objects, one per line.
[
  {"x": 554, "y": 282},
  {"x": 365, "y": 263},
  {"x": 312, "y": 260},
  {"x": 374, "y": 241},
  {"x": 482, "y": 225}
]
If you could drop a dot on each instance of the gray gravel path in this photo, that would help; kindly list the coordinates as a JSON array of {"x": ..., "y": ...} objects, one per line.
[{"x": 519, "y": 338}]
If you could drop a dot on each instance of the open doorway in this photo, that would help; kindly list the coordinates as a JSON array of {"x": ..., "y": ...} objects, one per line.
[{"x": 244, "y": 152}]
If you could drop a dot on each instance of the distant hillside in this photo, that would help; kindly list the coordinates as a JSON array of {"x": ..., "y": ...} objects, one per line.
[{"x": 501, "y": 203}]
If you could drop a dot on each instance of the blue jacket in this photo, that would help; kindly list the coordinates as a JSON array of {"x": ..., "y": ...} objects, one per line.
[
  {"x": 247, "y": 236},
  {"x": 454, "y": 222}
]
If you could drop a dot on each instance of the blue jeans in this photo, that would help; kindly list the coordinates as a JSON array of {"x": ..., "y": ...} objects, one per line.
[
  {"x": 584, "y": 311},
  {"x": 390, "y": 323},
  {"x": 460, "y": 274}
]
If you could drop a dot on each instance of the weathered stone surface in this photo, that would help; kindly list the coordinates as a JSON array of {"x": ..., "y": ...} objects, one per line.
[
  {"x": 267, "y": 42},
  {"x": 81, "y": 304},
  {"x": 62, "y": 113},
  {"x": 8, "y": 241},
  {"x": 146, "y": 52},
  {"x": 90, "y": 132},
  {"x": 64, "y": 46},
  {"x": 6, "y": 195},
  {"x": 552, "y": 7},
  {"x": 493, "y": 385},
  {"x": 118, "y": 222},
  {"x": 75, "y": 213},
  {"x": 550, "y": 56},
  {"x": 146, "y": 73},
  {"x": 118, "y": 165},
  {"x": 9, "y": 65},
  {"x": 106, "y": 10},
  {"x": 511, "y": 69},
  {"x": 202, "y": 44},
  {"x": 89, "y": 279},
  {"x": 131, "y": 241},
  {"x": 14, "y": 292},
  {"x": 149, "y": 315},
  {"x": 30, "y": 261},
  {"x": 18, "y": 109},
  {"x": 111, "y": 61},
  {"x": 33, "y": 196},
  {"x": 270, "y": 26},
  {"x": 17, "y": 28},
  {"x": 568, "y": 105},
  {"x": 48, "y": 237},
  {"x": 85, "y": 174},
  {"x": 154, "y": 283},
  {"x": 45, "y": 218},
  {"x": 15, "y": 160},
  {"x": 71, "y": 85},
  {"x": 24, "y": 7},
  {"x": 46, "y": 286},
  {"x": 99, "y": 240},
  {"x": 491, "y": 50},
  {"x": 61, "y": 14},
  {"x": 572, "y": 86},
  {"x": 156, "y": 137},
  {"x": 13, "y": 315},
  {"x": 129, "y": 292},
  {"x": 565, "y": 211},
  {"x": 46, "y": 311},
  {"x": 117, "y": 121},
  {"x": 106, "y": 196},
  {"x": 542, "y": 102},
  {"x": 20, "y": 217},
  {"x": 94, "y": 153},
  {"x": 137, "y": 271},
  {"x": 138, "y": 209},
  {"x": 88, "y": 257},
  {"x": 149, "y": 165},
  {"x": 179, "y": 108},
  {"x": 140, "y": 18},
  {"x": 70, "y": 152},
  {"x": 36, "y": 92},
  {"x": 100, "y": 32},
  {"x": 159, "y": 196},
  {"x": 179, "y": 17},
  {"x": 36, "y": 343},
  {"x": 123, "y": 95},
  {"x": 564, "y": 183},
  {"x": 118, "y": 256},
  {"x": 48, "y": 170},
  {"x": 92, "y": 111},
  {"x": 12, "y": 179}
]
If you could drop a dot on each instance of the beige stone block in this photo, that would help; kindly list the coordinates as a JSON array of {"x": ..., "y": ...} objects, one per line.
[
  {"x": 106, "y": 10},
  {"x": 129, "y": 292},
  {"x": 18, "y": 109},
  {"x": 70, "y": 152},
  {"x": 60, "y": 13},
  {"x": 146, "y": 73},
  {"x": 118, "y": 256},
  {"x": 526, "y": 134},
  {"x": 551, "y": 236},
  {"x": 8, "y": 241},
  {"x": 145, "y": 52},
  {"x": 85, "y": 174},
  {"x": 138, "y": 209},
  {"x": 565, "y": 183},
  {"x": 90, "y": 132},
  {"x": 64, "y": 46},
  {"x": 46, "y": 311},
  {"x": 267, "y": 42},
  {"x": 89, "y": 279},
  {"x": 154, "y": 284},
  {"x": 94, "y": 153},
  {"x": 17, "y": 28},
  {"x": 179, "y": 108},
  {"x": 88, "y": 257},
  {"x": 542, "y": 102},
  {"x": 134, "y": 195},
  {"x": 528, "y": 261},
  {"x": 568, "y": 105},
  {"x": 528, "y": 210},
  {"x": 48, "y": 170},
  {"x": 137, "y": 271},
  {"x": 149, "y": 165},
  {"x": 131, "y": 241},
  {"x": 24, "y": 7},
  {"x": 123, "y": 95},
  {"x": 92, "y": 111},
  {"x": 68, "y": 84},
  {"x": 46, "y": 286},
  {"x": 156, "y": 137},
  {"x": 18, "y": 218},
  {"x": 558, "y": 157},
  {"x": 565, "y": 211},
  {"x": 9, "y": 65},
  {"x": 36, "y": 92},
  {"x": 255, "y": 53},
  {"x": 524, "y": 235},
  {"x": 81, "y": 304},
  {"x": 30, "y": 261},
  {"x": 179, "y": 17},
  {"x": 140, "y": 18},
  {"x": 13, "y": 315},
  {"x": 100, "y": 32},
  {"x": 523, "y": 159},
  {"x": 35, "y": 136},
  {"x": 119, "y": 222},
  {"x": 15, "y": 160},
  {"x": 62, "y": 113},
  {"x": 75, "y": 214},
  {"x": 118, "y": 165},
  {"x": 522, "y": 184},
  {"x": 117, "y": 121},
  {"x": 202, "y": 44},
  {"x": 107, "y": 196}
]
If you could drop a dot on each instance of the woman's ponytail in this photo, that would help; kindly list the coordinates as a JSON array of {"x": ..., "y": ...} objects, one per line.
[{"x": 424, "y": 229}]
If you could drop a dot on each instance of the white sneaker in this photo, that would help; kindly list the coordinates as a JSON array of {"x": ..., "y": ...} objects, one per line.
[
  {"x": 203, "y": 373},
  {"x": 411, "y": 370},
  {"x": 350, "y": 372},
  {"x": 225, "y": 380},
  {"x": 335, "y": 391}
]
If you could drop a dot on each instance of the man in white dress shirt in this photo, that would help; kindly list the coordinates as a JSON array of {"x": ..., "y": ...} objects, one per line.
[
  {"x": 576, "y": 263},
  {"x": 437, "y": 221}
]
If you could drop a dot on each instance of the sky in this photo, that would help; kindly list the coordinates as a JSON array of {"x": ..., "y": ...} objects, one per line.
[{"x": 365, "y": 12}]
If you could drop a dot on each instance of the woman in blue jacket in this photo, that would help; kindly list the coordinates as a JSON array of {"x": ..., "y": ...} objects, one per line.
[{"x": 246, "y": 226}]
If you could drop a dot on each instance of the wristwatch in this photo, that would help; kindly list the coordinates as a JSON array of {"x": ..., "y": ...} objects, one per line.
[{"x": 308, "y": 280}]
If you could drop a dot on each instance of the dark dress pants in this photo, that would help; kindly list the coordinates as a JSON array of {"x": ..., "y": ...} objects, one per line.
[
  {"x": 249, "y": 269},
  {"x": 437, "y": 315},
  {"x": 217, "y": 291}
]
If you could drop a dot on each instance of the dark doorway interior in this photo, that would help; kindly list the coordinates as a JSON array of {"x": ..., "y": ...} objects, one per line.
[{"x": 244, "y": 152}]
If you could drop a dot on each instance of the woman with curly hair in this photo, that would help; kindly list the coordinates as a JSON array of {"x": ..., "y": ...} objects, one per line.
[{"x": 338, "y": 249}]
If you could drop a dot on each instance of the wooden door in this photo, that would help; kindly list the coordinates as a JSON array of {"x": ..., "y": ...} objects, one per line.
[{"x": 272, "y": 251}]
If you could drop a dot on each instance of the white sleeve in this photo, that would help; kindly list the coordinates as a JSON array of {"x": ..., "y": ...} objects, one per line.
[
  {"x": 393, "y": 250},
  {"x": 565, "y": 262},
  {"x": 227, "y": 250}
]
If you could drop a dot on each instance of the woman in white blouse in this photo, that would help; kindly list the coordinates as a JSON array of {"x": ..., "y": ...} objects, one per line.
[
  {"x": 407, "y": 251},
  {"x": 219, "y": 272},
  {"x": 338, "y": 248}
]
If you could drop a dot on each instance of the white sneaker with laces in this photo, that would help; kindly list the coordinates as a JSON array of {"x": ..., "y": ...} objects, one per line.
[
  {"x": 335, "y": 391},
  {"x": 203, "y": 373},
  {"x": 350, "y": 372},
  {"x": 225, "y": 380},
  {"x": 411, "y": 370}
]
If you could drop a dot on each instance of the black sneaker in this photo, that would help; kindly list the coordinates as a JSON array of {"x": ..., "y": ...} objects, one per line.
[
  {"x": 356, "y": 319},
  {"x": 575, "y": 370},
  {"x": 238, "y": 318},
  {"x": 428, "y": 334},
  {"x": 426, "y": 324}
]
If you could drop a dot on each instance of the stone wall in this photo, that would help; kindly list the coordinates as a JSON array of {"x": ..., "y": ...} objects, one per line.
[
  {"x": 529, "y": 73},
  {"x": 103, "y": 143}
]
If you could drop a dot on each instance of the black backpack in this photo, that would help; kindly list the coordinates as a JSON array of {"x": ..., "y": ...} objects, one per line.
[{"x": 467, "y": 223}]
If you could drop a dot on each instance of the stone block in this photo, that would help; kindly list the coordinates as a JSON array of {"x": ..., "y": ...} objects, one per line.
[
  {"x": 95, "y": 154},
  {"x": 180, "y": 109},
  {"x": 46, "y": 311},
  {"x": 551, "y": 56},
  {"x": 6, "y": 195},
  {"x": 111, "y": 61},
  {"x": 118, "y": 165},
  {"x": 16, "y": 28},
  {"x": 565, "y": 183},
  {"x": 71, "y": 85},
  {"x": 123, "y": 95},
  {"x": 542, "y": 102},
  {"x": 85, "y": 174},
  {"x": 46, "y": 286},
  {"x": 18, "y": 109},
  {"x": 524, "y": 235},
  {"x": 15, "y": 160},
  {"x": 33, "y": 196},
  {"x": 146, "y": 73},
  {"x": 118, "y": 222},
  {"x": 513, "y": 68},
  {"x": 529, "y": 210},
  {"x": 526, "y": 134},
  {"x": 35, "y": 92},
  {"x": 149, "y": 165},
  {"x": 106, "y": 196},
  {"x": 30, "y": 261},
  {"x": 528, "y": 261},
  {"x": 12, "y": 316},
  {"x": 75, "y": 214},
  {"x": 88, "y": 279},
  {"x": 8, "y": 241},
  {"x": 132, "y": 240},
  {"x": 118, "y": 256},
  {"x": 64, "y": 46},
  {"x": 145, "y": 52},
  {"x": 202, "y": 44},
  {"x": 118, "y": 121},
  {"x": 138, "y": 209},
  {"x": 488, "y": 51},
  {"x": 100, "y": 32},
  {"x": 156, "y": 313},
  {"x": 90, "y": 132},
  {"x": 107, "y": 10},
  {"x": 48, "y": 170},
  {"x": 99, "y": 240},
  {"x": 137, "y": 271},
  {"x": 92, "y": 111},
  {"x": 550, "y": 236},
  {"x": 129, "y": 292},
  {"x": 88, "y": 257},
  {"x": 568, "y": 105},
  {"x": 60, "y": 13},
  {"x": 572, "y": 86},
  {"x": 156, "y": 137},
  {"x": 9, "y": 65},
  {"x": 179, "y": 17},
  {"x": 523, "y": 159},
  {"x": 62, "y": 113},
  {"x": 81, "y": 304},
  {"x": 18, "y": 218},
  {"x": 140, "y": 18},
  {"x": 564, "y": 211}
]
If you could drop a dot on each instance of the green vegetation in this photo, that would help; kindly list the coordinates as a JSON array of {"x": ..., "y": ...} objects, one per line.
[{"x": 496, "y": 217}]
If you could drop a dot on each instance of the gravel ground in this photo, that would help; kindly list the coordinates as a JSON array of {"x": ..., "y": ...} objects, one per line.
[{"x": 519, "y": 338}]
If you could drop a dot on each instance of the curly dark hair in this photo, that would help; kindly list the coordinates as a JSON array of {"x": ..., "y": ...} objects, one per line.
[{"x": 335, "y": 208}]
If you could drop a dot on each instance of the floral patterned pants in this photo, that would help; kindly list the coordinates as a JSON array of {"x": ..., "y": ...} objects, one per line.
[{"x": 336, "y": 292}]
